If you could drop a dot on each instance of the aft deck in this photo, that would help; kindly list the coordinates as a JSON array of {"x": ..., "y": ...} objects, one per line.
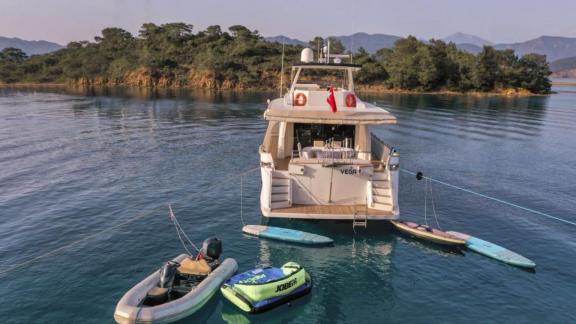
[{"x": 331, "y": 212}]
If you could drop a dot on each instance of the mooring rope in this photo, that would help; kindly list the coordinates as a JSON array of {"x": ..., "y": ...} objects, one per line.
[
  {"x": 428, "y": 188},
  {"x": 242, "y": 200},
  {"x": 110, "y": 229},
  {"x": 426, "y": 202},
  {"x": 433, "y": 204},
  {"x": 494, "y": 199}
]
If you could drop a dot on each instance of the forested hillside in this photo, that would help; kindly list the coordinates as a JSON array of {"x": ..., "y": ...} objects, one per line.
[{"x": 172, "y": 55}]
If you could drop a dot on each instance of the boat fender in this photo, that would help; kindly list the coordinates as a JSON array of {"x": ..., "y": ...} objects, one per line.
[{"x": 419, "y": 175}]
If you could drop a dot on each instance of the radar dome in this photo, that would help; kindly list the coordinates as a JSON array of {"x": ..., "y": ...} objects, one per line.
[{"x": 307, "y": 55}]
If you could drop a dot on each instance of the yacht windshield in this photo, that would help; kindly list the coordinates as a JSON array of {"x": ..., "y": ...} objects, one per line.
[{"x": 310, "y": 79}]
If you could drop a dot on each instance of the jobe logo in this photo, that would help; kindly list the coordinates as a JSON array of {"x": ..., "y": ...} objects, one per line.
[{"x": 287, "y": 285}]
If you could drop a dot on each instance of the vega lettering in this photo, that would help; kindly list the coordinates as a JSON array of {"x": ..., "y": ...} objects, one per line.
[
  {"x": 287, "y": 285},
  {"x": 350, "y": 171}
]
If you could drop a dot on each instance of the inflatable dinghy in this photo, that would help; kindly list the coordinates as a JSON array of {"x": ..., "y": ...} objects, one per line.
[
  {"x": 177, "y": 290},
  {"x": 258, "y": 290},
  {"x": 427, "y": 233},
  {"x": 494, "y": 251},
  {"x": 286, "y": 234}
]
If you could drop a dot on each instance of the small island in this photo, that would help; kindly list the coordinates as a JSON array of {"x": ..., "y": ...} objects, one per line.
[{"x": 173, "y": 56}]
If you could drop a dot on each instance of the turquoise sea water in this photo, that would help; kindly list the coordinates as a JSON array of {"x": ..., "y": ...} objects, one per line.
[{"x": 74, "y": 164}]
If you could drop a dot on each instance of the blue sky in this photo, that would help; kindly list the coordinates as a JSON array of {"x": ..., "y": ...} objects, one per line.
[{"x": 498, "y": 21}]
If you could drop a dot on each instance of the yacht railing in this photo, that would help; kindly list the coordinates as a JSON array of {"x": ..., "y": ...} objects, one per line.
[
  {"x": 266, "y": 159},
  {"x": 380, "y": 150},
  {"x": 332, "y": 154},
  {"x": 383, "y": 153}
]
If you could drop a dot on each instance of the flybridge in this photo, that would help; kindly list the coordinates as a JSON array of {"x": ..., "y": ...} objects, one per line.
[
  {"x": 314, "y": 85},
  {"x": 311, "y": 89}
]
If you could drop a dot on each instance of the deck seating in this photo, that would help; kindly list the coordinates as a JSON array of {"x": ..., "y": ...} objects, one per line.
[
  {"x": 318, "y": 143},
  {"x": 193, "y": 267}
]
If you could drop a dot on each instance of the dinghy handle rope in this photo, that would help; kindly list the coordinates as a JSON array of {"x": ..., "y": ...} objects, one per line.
[
  {"x": 140, "y": 216},
  {"x": 492, "y": 198},
  {"x": 181, "y": 232}
]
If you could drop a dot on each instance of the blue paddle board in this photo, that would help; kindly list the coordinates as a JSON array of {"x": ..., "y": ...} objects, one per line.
[
  {"x": 494, "y": 251},
  {"x": 285, "y": 234}
]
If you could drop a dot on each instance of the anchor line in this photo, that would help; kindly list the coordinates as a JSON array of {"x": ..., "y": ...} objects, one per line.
[
  {"x": 494, "y": 199},
  {"x": 89, "y": 237}
]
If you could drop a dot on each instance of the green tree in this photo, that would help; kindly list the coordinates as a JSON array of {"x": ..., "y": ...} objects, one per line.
[
  {"x": 486, "y": 69},
  {"x": 460, "y": 69},
  {"x": 13, "y": 55},
  {"x": 507, "y": 71},
  {"x": 402, "y": 64},
  {"x": 11, "y": 69},
  {"x": 534, "y": 71}
]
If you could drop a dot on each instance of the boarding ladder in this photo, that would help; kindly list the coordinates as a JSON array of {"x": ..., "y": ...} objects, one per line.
[{"x": 360, "y": 218}]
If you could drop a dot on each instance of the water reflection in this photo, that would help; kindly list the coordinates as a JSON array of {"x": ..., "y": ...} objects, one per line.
[{"x": 356, "y": 272}]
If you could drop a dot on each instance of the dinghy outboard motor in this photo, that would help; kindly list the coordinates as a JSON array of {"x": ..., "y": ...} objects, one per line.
[
  {"x": 168, "y": 273},
  {"x": 211, "y": 249}
]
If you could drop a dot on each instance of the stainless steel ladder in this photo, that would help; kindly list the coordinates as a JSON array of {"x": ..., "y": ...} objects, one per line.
[{"x": 360, "y": 219}]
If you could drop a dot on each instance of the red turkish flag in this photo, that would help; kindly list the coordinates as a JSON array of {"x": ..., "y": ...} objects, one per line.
[{"x": 331, "y": 100}]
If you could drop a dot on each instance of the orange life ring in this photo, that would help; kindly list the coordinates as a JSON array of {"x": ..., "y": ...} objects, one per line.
[
  {"x": 300, "y": 99},
  {"x": 351, "y": 100}
]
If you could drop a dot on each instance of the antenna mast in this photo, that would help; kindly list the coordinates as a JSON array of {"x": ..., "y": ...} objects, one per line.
[
  {"x": 328, "y": 54},
  {"x": 282, "y": 72}
]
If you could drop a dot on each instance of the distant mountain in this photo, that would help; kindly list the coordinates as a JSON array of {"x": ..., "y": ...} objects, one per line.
[
  {"x": 370, "y": 42},
  {"x": 570, "y": 74},
  {"x": 471, "y": 48},
  {"x": 564, "y": 68},
  {"x": 567, "y": 63},
  {"x": 29, "y": 47},
  {"x": 552, "y": 46},
  {"x": 461, "y": 38},
  {"x": 285, "y": 40}
]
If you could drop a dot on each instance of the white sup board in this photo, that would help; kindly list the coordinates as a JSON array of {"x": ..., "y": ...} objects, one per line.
[
  {"x": 286, "y": 234},
  {"x": 494, "y": 251}
]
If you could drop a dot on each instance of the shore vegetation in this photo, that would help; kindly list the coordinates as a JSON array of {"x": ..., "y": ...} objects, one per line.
[{"x": 172, "y": 55}]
